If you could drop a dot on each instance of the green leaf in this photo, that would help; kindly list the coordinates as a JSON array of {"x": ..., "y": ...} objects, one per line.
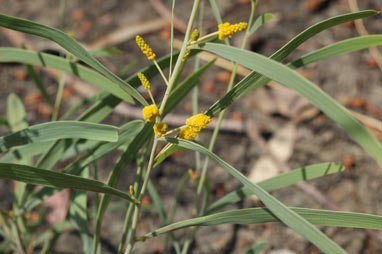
[
  {"x": 166, "y": 152},
  {"x": 263, "y": 215},
  {"x": 286, "y": 215},
  {"x": 255, "y": 80},
  {"x": 128, "y": 132},
  {"x": 257, "y": 248},
  {"x": 17, "y": 117},
  {"x": 259, "y": 22},
  {"x": 79, "y": 217},
  {"x": 52, "y": 179},
  {"x": 16, "y": 154},
  {"x": 59, "y": 63},
  {"x": 284, "y": 75},
  {"x": 59, "y": 130},
  {"x": 338, "y": 48},
  {"x": 70, "y": 45},
  {"x": 4, "y": 122},
  {"x": 281, "y": 181}
]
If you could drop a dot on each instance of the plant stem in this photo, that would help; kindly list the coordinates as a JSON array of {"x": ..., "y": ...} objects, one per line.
[
  {"x": 195, "y": 91},
  {"x": 137, "y": 208},
  {"x": 214, "y": 136},
  {"x": 172, "y": 38},
  {"x": 161, "y": 72},
  {"x": 181, "y": 55}
]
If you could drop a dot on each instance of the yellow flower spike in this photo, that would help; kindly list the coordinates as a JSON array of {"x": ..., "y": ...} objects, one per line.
[
  {"x": 132, "y": 191},
  {"x": 160, "y": 129},
  {"x": 226, "y": 30},
  {"x": 198, "y": 122},
  {"x": 150, "y": 112},
  {"x": 186, "y": 55},
  {"x": 195, "y": 35},
  {"x": 144, "y": 81},
  {"x": 145, "y": 48},
  {"x": 187, "y": 133}
]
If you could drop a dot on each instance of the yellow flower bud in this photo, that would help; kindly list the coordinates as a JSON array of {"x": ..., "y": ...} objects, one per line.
[
  {"x": 195, "y": 35},
  {"x": 150, "y": 113},
  {"x": 160, "y": 129},
  {"x": 186, "y": 55},
  {"x": 132, "y": 191},
  {"x": 145, "y": 48}
]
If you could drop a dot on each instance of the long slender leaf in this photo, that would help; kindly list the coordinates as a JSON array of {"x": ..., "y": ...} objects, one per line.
[
  {"x": 53, "y": 179},
  {"x": 17, "y": 117},
  {"x": 260, "y": 21},
  {"x": 79, "y": 217},
  {"x": 128, "y": 132},
  {"x": 281, "y": 181},
  {"x": 70, "y": 45},
  {"x": 284, "y": 75},
  {"x": 286, "y": 215},
  {"x": 263, "y": 215},
  {"x": 59, "y": 130},
  {"x": 338, "y": 48},
  {"x": 59, "y": 63},
  {"x": 255, "y": 80}
]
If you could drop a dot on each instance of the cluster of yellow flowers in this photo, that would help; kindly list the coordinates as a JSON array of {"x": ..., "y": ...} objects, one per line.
[
  {"x": 150, "y": 112},
  {"x": 145, "y": 48},
  {"x": 195, "y": 123},
  {"x": 226, "y": 30}
]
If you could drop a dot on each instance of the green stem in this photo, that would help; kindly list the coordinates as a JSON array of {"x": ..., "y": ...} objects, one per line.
[
  {"x": 181, "y": 55},
  {"x": 137, "y": 207},
  {"x": 191, "y": 235},
  {"x": 172, "y": 38},
  {"x": 61, "y": 85}
]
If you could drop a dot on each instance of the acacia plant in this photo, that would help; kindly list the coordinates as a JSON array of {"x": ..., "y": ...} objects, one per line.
[{"x": 30, "y": 154}]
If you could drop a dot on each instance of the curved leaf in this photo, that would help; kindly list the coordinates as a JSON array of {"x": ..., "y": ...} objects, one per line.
[
  {"x": 70, "y": 45},
  {"x": 285, "y": 214},
  {"x": 280, "y": 181},
  {"x": 59, "y": 130},
  {"x": 284, "y": 75},
  {"x": 263, "y": 215},
  {"x": 338, "y": 48},
  {"x": 53, "y": 179},
  {"x": 59, "y": 63}
]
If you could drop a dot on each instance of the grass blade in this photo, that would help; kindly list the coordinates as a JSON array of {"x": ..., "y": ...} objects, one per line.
[
  {"x": 52, "y": 179},
  {"x": 70, "y": 45},
  {"x": 264, "y": 215},
  {"x": 284, "y": 75},
  {"x": 286, "y": 215},
  {"x": 59, "y": 130},
  {"x": 281, "y": 181}
]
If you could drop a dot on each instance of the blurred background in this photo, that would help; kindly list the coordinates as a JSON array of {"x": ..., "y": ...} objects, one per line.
[{"x": 266, "y": 132}]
